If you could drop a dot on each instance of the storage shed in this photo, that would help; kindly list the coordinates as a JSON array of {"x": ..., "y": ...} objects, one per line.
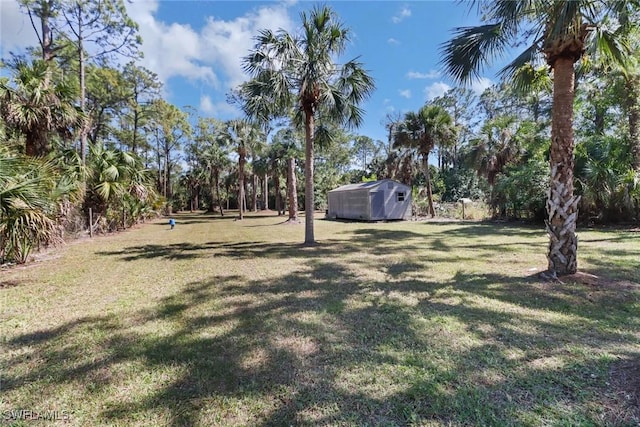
[{"x": 370, "y": 201}]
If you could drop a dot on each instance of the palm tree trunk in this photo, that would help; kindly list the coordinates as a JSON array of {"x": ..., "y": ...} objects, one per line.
[
  {"x": 276, "y": 184},
  {"x": 255, "y": 192},
  {"x": 265, "y": 192},
  {"x": 291, "y": 189},
  {"x": 562, "y": 205},
  {"x": 633, "y": 106},
  {"x": 217, "y": 185},
  {"x": 241, "y": 161},
  {"x": 309, "y": 238},
  {"x": 427, "y": 177}
]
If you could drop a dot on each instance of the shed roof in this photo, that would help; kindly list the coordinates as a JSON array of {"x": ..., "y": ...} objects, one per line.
[{"x": 364, "y": 185}]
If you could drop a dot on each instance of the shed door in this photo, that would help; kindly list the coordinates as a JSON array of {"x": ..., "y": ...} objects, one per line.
[{"x": 377, "y": 205}]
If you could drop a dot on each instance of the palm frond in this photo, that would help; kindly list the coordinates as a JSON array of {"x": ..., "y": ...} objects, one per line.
[
  {"x": 529, "y": 57},
  {"x": 472, "y": 49}
]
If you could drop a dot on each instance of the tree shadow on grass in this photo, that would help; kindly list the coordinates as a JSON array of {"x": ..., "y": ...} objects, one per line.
[{"x": 320, "y": 346}]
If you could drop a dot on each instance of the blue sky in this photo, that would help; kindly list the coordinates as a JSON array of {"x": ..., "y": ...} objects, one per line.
[{"x": 196, "y": 47}]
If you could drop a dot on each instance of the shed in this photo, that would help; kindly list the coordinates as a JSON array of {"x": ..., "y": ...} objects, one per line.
[{"x": 370, "y": 201}]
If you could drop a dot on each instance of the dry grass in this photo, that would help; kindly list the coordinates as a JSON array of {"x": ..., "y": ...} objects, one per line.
[{"x": 223, "y": 322}]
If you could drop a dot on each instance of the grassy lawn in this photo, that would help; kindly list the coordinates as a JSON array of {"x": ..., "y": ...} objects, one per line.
[{"x": 223, "y": 322}]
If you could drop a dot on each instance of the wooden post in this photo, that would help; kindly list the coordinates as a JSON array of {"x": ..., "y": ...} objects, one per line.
[{"x": 90, "y": 223}]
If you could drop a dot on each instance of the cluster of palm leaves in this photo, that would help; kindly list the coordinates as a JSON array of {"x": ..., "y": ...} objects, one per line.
[
  {"x": 29, "y": 195},
  {"x": 43, "y": 179}
]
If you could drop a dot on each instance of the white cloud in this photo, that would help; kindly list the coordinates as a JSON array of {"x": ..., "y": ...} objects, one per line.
[
  {"x": 178, "y": 50},
  {"x": 436, "y": 89},
  {"x": 405, "y": 12},
  {"x": 479, "y": 85},
  {"x": 393, "y": 41},
  {"x": 16, "y": 32},
  {"x": 431, "y": 74},
  {"x": 220, "y": 110},
  {"x": 405, "y": 93},
  {"x": 226, "y": 42}
]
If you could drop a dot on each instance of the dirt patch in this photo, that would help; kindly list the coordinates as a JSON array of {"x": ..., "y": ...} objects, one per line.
[
  {"x": 622, "y": 402},
  {"x": 599, "y": 281},
  {"x": 8, "y": 283}
]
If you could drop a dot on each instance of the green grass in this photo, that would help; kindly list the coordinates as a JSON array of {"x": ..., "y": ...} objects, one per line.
[{"x": 223, "y": 322}]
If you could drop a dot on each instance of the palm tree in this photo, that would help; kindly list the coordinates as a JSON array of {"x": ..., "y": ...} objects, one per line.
[
  {"x": 287, "y": 149},
  {"x": 493, "y": 150},
  {"x": 112, "y": 175},
  {"x": 261, "y": 169},
  {"x": 559, "y": 31},
  {"x": 215, "y": 160},
  {"x": 421, "y": 132},
  {"x": 299, "y": 71},
  {"x": 37, "y": 108},
  {"x": 241, "y": 135},
  {"x": 29, "y": 194},
  {"x": 276, "y": 162}
]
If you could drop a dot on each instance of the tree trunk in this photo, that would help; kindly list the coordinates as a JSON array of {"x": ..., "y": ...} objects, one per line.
[
  {"x": 217, "y": 186},
  {"x": 166, "y": 174},
  {"x": 196, "y": 198},
  {"x": 427, "y": 177},
  {"x": 81, "y": 66},
  {"x": 309, "y": 238},
  {"x": 47, "y": 33},
  {"x": 255, "y": 192},
  {"x": 265, "y": 192},
  {"x": 276, "y": 184},
  {"x": 291, "y": 189},
  {"x": 241, "y": 161},
  {"x": 562, "y": 205},
  {"x": 633, "y": 107}
]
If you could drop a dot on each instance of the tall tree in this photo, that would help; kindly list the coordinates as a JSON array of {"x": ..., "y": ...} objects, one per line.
[
  {"x": 171, "y": 129},
  {"x": 493, "y": 150},
  {"x": 299, "y": 70},
  {"x": 212, "y": 154},
  {"x": 287, "y": 149},
  {"x": 364, "y": 149},
  {"x": 97, "y": 29},
  {"x": 142, "y": 87},
  {"x": 242, "y": 136},
  {"x": 46, "y": 11},
  {"x": 560, "y": 31},
  {"x": 421, "y": 132}
]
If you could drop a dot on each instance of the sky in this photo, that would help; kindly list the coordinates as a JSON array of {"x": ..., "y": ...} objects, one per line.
[{"x": 196, "y": 48}]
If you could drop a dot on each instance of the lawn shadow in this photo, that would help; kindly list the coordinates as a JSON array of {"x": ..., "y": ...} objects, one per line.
[{"x": 321, "y": 346}]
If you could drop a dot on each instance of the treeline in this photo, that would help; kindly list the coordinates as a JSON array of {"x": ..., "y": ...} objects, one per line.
[{"x": 87, "y": 144}]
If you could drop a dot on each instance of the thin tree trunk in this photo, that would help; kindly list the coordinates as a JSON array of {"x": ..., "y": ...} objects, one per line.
[
  {"x": 291, "y": 189},
  {"x": 241, "y": 161},
  {"x": 217, "y": 186},
  {"x": 265, "y": 192},
  {"x": 633, "y": 106},
  {"x": 309, "y": 238},
  {"x": 81, "y": 70},
  {"x": 562, "y": 205},
  {"x": 276, "y": 184},
  {"x": 245, "y": 201},
  {"x": 427, "y": 177},
  {"x": 255, "y": 192}
]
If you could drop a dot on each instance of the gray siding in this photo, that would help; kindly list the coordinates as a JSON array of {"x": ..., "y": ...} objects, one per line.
[{"x": 370, "y": 201}]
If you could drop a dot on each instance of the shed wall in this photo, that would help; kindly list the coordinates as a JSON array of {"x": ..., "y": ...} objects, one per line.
[{"x": 380, "y": 202}]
